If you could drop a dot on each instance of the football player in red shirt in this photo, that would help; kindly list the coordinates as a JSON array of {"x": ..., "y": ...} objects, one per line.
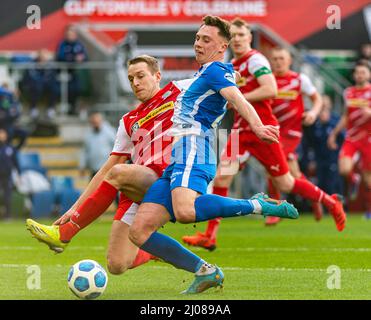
[
  {"x": 141, "y": 138},
  {"x": 288, "y": 107},
  {"x": 357, "y": 121},
  {"x": 258, "y": 85}
]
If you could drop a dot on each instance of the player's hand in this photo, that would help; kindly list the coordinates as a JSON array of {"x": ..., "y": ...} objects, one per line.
[
  {"x": 309, "y": 117},
  {"x": 65, "y": 218},
  {"x": 331, "y": 142},
  {"x": 268, "y": 133}
]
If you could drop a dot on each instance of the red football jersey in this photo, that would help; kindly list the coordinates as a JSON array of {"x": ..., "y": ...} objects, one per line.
[
  {"x": 250, "y": 66},
  {"x": 143, "y": 132},
  {"x": 288, "y": 105},
  {"x": 355, "y": 100}
]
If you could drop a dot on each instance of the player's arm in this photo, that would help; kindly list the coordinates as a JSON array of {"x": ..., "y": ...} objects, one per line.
[
  {"x": 234, "y": 96},
  {"x": 308, "y": 89},
  {"x": 93, "y": 185},
  {"x": 331, "y": 141},
  {"x": 267, "y": 89},
  {"x": 310, "y": 116}
]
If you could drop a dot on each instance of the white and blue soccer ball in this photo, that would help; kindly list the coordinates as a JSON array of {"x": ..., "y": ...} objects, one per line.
[{"x": 87, "y": 279}]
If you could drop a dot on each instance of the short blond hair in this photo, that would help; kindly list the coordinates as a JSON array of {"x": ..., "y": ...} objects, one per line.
[
  {"x": 151, "y": 62},
  {"x": 238, "y": 22}
]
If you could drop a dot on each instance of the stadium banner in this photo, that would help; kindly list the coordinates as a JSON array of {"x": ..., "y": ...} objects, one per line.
[{"x": 166, "y": 9}]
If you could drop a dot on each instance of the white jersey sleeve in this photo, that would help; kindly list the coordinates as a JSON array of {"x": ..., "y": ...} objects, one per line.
[
  {"x": 259, "y": 65},
  {"x": 307, "y": 86},
  {"x": 123, "y": 144}
]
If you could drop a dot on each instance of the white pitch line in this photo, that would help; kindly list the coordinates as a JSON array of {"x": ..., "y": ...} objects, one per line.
[
  {"x": 246, "y": 249},
  {"x": 299, "y": 249},
  {"x": 278, "y": 269},
  {"x": 27, "y": 248}
]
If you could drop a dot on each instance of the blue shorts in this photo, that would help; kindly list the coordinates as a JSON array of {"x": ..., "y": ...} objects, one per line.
[{"x": 193, "y": 166}]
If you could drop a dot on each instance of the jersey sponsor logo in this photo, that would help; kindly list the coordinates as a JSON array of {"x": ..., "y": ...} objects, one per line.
[
  {"x": 241, "y": 82},
  {"x": 357, "y": 102},
  {"x": 287, "y": 94},
  {"x": 229, "y": 77},
  {"x": 154, "y": 113}
]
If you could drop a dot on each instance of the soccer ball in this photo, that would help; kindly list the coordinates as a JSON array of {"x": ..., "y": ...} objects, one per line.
[{"x": 87, "y": 279}]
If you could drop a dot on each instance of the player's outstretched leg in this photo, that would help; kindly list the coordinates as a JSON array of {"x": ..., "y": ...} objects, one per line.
[
  {"x": 210, "y": 206},
  {"x": 171, "y": 251}
]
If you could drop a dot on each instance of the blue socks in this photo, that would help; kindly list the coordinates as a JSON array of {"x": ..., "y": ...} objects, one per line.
[
  {"x": 208, "y": 207},
  {"x": 211, "y": 206},
  {"x": 173, "y": 252}
]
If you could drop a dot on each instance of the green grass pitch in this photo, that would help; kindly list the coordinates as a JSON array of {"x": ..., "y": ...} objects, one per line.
[{"x": 288, "y": 261}]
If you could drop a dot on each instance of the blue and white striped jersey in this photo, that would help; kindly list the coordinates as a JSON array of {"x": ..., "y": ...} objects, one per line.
[{"x": 200, "y": 107}]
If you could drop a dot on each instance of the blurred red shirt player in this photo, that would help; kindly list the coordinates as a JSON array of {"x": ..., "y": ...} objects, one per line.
[
  {"x": 357, "y": 121},
  {"x": 288, "y": 107}
]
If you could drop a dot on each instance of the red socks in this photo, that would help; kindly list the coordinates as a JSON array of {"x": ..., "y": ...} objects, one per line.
[
  {"x": 311, "y": 192},
  {"x": 213, "y": 225},
  {"x": 141, "y": 258},
  {"x": 94, "y": 206},
  {"x": 272, "y": 191}
]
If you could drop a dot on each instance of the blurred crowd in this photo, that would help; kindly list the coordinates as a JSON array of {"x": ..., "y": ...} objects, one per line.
[{"x": 39, "y": 88}]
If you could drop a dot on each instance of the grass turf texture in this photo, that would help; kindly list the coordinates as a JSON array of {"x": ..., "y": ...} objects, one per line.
[{"x": 288, "y": 261}]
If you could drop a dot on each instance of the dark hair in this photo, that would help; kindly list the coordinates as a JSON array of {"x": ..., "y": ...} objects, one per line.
[
  {"x": 238, "y": 22},
  {"x": 149, "y": 60},
  {"x": 362, "y": 63},
  {"x": 221, "y": 24}
]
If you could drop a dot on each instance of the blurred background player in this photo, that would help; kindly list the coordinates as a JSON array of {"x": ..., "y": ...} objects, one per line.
[
  {"x": 357, "y": 121},
  {"x": 9, "y": 163},
  {"x": 72, "y": 50},
  {"x": 288, "y": 107},
  {"x": 41, "y": 81},
  {"x": 101, "y": 134},
  {"x": 325, "y": 159},
  {"x": 257, "y": 81},
  {"x": 10, "y": 112}
]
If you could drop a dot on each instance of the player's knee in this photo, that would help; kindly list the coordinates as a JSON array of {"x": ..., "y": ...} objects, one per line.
[
  {"x": 185, "y": 215},
  {"x": 284, "y": 185},
  {"x": 116, "y": 266},
  {"x": 344, "y": 170},
  {"x": 118, "y": 174}
]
